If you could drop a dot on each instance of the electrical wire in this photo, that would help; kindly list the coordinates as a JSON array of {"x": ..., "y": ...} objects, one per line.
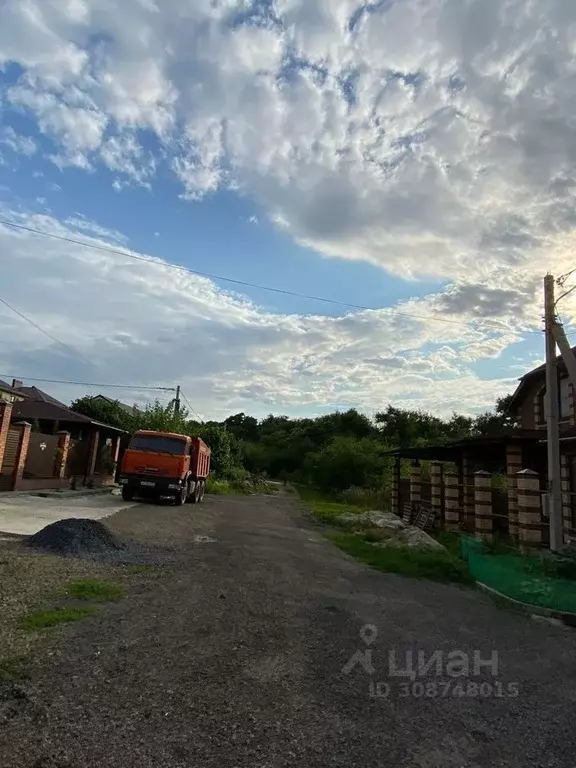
[
  {"x": 90, "y": 383},
  {"x": 246, "y": 284},
  {"x": 566, "y": 293},
  {"x": 183, "y": 396},
  {"x": 69, "y": 349}
]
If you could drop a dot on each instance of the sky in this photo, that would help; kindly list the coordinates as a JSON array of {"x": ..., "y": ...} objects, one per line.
[{"x": 410, "y": 160}]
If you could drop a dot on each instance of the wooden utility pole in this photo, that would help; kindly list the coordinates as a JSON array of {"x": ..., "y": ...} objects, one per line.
[
  {"x": 177, "y": 401},
  {"x": 552, "y": 418}
]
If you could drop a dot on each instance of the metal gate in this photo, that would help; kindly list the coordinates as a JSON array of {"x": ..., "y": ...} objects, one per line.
[
  {"x": 41, "y": 456},
  {"x": 77, "y": 460},
  {"x": 9, "y": 462}
]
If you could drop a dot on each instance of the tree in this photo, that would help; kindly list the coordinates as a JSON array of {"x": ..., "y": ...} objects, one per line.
[
  {"x": 349, "y": 461},
  {"x": 154, "y": 416},
  {"x": 222, "y": 444},
  {"x": 498, "y": 421},
  {"x": 243, "y": 427},
  {"x": 105, "y": 411}
]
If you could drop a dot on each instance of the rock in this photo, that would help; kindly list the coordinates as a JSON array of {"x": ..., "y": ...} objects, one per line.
[
  {"x": 376, "y": 519},
  {"x": 413, "y": 538}
]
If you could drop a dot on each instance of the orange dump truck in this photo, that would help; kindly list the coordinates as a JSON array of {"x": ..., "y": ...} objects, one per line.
[{"x": 158, "y": 464}]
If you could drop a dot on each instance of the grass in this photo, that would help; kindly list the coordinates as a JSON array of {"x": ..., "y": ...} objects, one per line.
[
  {"x": 366, "y": 498},
  {"x": 437, "y": 566},
  {"x": 221, "y": 487},
  {"x": 136, "y": 569},
  {"x": 450, "y": 540},
  {"x": 12, "y": 669},
  {"x": 53, "y": 616},
  {"x": 327, "y": 512},
  {"x": 360, "y": 539},
  {"x": 96, "y": 589}
]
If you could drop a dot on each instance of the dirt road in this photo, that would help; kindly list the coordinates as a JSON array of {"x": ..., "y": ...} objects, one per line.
[{"x": 236, "y": 655}]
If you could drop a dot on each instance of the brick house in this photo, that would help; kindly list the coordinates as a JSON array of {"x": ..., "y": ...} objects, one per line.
[
  {"x": 44, "y": 444},
  {"x": 9, "y": 394},
  {"x": 467, "y": 497}
]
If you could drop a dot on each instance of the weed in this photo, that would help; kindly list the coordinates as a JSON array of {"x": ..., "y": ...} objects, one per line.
[
  {"x": 54, "y": 616},
  {"x": 141, "y": 568},
  {"x": 367, "y": 498},
  {"x": 437, "y": 566},
  {"x": 450, "y": 540},
  {"x": 95, "y": 589},
  {"x": 12, "y": 669}
]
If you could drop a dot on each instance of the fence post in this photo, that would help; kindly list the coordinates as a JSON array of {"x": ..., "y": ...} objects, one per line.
[
  {"x": 22, "y": 452},
  {"x": 513, "y": 466},
  {"x": 451, "y": 502},
  {"x": 415, "y": 483},
  {"x": 92, "y": 454},
  {"x": 436, "y": 468},
  {"x": 5, "y": 414},
  {"x": 468, "y": 492},
  {"x": 529, "y": 510},
  {"x": 62, "y": 453},
  {"x": 566, "y": 497},
  {"x": 395, "y": 486},
  {"x": 484, "y": 520}
]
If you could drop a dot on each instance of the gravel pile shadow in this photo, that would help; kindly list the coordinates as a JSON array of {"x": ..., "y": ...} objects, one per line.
[{"x": 76, "y": 537}]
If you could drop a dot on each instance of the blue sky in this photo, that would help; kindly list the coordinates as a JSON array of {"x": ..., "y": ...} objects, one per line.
[{"x": 283, "y": 147}]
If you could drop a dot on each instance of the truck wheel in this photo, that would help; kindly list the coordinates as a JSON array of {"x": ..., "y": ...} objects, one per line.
[
  {"x": 182, "y": 496},
  {"x": 191, "y": 492},
  {"x": 127, "y": 493},
  {"x": 195, "y": 498},
  {"x": 202, "y": 485}
]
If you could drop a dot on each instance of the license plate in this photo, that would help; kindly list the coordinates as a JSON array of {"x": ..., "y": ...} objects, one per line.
[{"x": 148, "y": 484}]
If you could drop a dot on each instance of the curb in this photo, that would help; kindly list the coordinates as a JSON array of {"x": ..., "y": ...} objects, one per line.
[
  {"x": 54, "y": 494},
  {"x": 567, "y": 618}
]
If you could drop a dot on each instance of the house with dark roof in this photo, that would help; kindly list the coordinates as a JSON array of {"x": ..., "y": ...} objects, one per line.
[
  {"x": 472, "y": 497},
  {"x": 129, "y": 409},
  {"x": 50, "y": 416},
  {"x": 44, "y": 444},
  {"x": 9, "y": 394}
]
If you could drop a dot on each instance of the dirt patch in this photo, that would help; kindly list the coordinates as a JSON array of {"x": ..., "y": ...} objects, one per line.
[
  {"x": 29, "y": 577},
  {"x": 75, "y": 537}
]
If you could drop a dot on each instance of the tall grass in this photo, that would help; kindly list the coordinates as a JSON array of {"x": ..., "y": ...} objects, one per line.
[{"x": 367, "y": 498}]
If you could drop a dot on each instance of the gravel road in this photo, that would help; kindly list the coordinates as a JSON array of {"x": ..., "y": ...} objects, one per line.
[{"x": 233, "y": 655}]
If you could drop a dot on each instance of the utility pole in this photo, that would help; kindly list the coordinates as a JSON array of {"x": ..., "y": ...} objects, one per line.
[
  {"x": 177, "y": 401},
  {"x": 552, "y": 418}
]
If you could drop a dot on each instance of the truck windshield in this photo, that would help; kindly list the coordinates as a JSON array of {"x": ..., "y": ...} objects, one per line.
[{"x": 157, "y": 443}]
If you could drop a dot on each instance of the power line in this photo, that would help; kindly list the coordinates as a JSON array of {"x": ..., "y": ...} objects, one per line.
[
  {"x": 74, "y": 352},
  {"x": 90, "y": 383},
  {"x": 189, "y": 406},
  {"x": 246, "y": 284}
]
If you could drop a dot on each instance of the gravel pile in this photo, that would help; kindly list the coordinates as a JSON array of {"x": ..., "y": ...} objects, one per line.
[{"x": 76, "y": 537}]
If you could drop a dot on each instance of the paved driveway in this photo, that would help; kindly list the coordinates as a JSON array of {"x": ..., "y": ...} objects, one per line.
[
  {"x": 25, "y": 515},
  {"x": 240, "y": 653}
]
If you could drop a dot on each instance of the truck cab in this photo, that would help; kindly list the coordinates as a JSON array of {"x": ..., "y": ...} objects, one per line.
[{"x": 165, "y": 464}]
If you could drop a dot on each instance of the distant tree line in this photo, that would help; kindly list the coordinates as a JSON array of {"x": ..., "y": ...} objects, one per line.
[{"x": 334, "y": 452}]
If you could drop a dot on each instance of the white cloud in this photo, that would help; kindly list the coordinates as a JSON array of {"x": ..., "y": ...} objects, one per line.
[
  {"x": 430, "y": 138},
  {"x": 143, "y": 322},
  {"x": 22, "y": 145}
]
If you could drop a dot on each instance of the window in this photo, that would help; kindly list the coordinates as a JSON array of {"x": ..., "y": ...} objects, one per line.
[
  {"x": 563, "y": 400},
  {"x": 564, "y": 394},
  {"x": 171, "y": 445}
]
